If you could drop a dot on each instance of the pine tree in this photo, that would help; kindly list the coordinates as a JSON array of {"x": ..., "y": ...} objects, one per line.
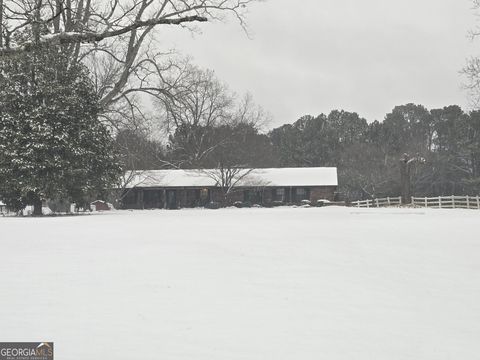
[{"x": 51, "y": 140}]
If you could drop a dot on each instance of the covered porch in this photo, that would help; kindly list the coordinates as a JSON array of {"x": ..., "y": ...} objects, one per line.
[{"x": 165, "y": 198}]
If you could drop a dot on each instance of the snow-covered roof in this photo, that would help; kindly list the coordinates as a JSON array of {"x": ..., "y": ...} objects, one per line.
[
  {"x": 283, "y": 177},
  {"x": 1, "y": 203}
]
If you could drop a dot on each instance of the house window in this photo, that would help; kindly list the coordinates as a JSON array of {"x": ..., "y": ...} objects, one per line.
[
  {"x": 252, "y": 196},
  {"x": 279, "y": 195},
  {"x": 246, "y": 195},
  {"x": 204, "y": 194},
  {"x": 302, "y": 194}
]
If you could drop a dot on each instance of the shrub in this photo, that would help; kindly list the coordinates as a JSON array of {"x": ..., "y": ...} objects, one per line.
[{"x": 213, "y": 205}]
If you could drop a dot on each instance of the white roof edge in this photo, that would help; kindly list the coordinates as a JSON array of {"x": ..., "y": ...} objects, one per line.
[{"x": 274, "y": 177}]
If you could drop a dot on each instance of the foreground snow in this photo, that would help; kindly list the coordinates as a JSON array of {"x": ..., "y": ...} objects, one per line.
[{"x": 326, "y": 283}]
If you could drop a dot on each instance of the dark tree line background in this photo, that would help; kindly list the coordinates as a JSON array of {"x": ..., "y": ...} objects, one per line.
[{"x": 367, "y": 155}]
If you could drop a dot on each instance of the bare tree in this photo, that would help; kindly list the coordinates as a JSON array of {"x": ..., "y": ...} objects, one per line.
[
  {"x": 234, "y": 158},
  {"x": 226, "y": 178},
  {"x": 209, "y": 129},
  {"x": 198, "y": 104},
  {"x": 471, "y": 70},
  {"x": 248, "y": 112},
  {"x": 198, "y": 99},
  {"x": 115, "y": 38},
  {"x": 203, "y": 117},
  {"x": 93, "y": 21}
]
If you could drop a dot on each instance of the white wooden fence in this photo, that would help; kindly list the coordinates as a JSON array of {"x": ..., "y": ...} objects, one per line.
[
  {"x": 440, "y": 202},
  {"x": 383, "y": 202},
  {"x": 448, "y": 202}
]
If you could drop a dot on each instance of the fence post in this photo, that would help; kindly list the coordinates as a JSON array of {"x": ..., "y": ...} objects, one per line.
[
  {"x": 478, "y": 202},
  {"x": 376, "y": 202},
  {"x": 440, "y": 202},
  {"x": 468, "y": 202},
  {"x": 413, "y": 200},
  {"x": 453, "y": 201},
  {"x": 426, "y": 202},
  {"x": 388, "y": 200}
]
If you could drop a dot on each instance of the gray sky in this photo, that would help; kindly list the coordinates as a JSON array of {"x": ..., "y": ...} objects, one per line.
[{"x": 365, "y": 56}]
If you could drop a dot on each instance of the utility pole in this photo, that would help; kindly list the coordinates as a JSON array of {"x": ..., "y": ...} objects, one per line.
[{"x": 406, "y": 163}]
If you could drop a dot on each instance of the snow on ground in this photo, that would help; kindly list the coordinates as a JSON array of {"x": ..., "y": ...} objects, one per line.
[{"x": 285, "y": 283}]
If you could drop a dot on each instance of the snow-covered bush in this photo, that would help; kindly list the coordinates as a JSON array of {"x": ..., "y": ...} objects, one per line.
[
  {"x": 322, "y": 202},
  {"x": 213, "y": 205}
]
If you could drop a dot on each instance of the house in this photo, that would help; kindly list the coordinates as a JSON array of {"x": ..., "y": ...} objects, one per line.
[
  {"x": 3, "y": 207},
  {"x": 173, "y": 189}
]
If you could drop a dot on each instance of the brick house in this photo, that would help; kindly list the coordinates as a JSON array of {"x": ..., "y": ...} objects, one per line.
[{"x": 173, "y": 189}]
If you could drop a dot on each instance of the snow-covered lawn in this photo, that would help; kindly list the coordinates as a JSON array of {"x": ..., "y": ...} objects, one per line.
[{"x": 285, "y": 283}]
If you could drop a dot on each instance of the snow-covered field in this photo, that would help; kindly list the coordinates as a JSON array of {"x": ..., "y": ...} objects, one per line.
[{"x": 285, "y": 283}]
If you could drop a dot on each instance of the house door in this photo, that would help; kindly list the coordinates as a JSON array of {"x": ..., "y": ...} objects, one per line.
[
  {"x": 203, "y": 197},
  {"x": 171, "y": 199}
]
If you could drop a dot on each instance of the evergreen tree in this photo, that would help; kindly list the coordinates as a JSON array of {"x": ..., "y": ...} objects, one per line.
[{"x": 51, "y": 140}]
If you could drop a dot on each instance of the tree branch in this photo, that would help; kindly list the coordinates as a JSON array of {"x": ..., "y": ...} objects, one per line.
[{"x": 74, "y": 37}]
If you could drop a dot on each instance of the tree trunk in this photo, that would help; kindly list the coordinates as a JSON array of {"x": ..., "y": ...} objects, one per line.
[
  {"x": 225, "y": 199},
  {"x": 37, "y": 207}
]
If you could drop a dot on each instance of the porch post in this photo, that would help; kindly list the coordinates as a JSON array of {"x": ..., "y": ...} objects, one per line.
[{"x": 140, "y": 203}]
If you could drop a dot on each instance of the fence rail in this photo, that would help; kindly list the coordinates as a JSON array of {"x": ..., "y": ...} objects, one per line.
[
  {"x": 383, "y": 202},
  {"x": 448, "y": 202},
  {"x": 440, "y": 202}
]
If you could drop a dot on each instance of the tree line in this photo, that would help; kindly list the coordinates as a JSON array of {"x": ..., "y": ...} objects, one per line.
[{"x": 368, "y": 155}]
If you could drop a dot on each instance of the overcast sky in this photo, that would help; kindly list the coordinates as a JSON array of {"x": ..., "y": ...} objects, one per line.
[{"x": 359, "y": 55}]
